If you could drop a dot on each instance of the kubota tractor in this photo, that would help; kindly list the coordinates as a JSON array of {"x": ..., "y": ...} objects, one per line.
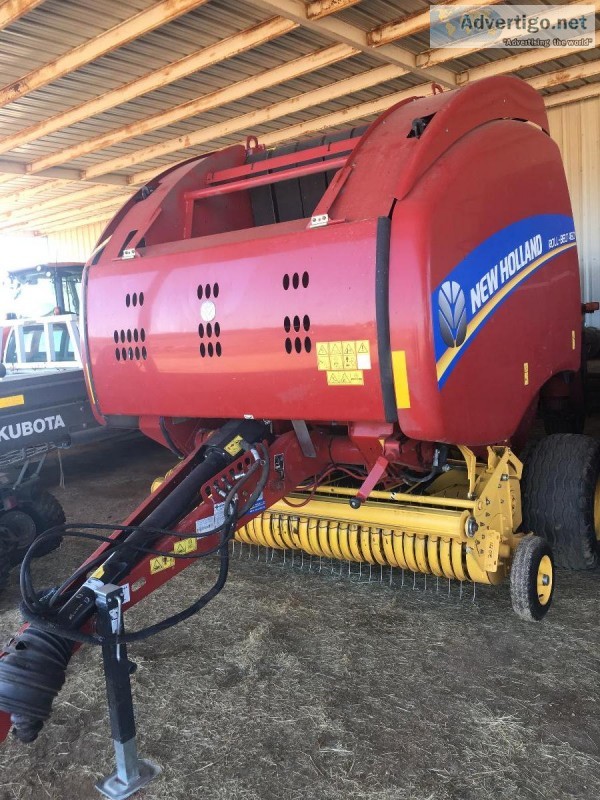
[{"x": 340, "y": 340}]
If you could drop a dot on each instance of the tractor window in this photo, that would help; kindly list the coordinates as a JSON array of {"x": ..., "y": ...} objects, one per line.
[
  {"x": 62, "y": 344},
  {"x": 11, "y": 349},
  {"x": 35, "y": 347}
]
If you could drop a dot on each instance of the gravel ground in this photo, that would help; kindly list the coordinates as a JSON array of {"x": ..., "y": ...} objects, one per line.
[{"x": 302, "y": 684}]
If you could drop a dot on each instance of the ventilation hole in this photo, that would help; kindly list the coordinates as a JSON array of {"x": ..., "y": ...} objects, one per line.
[
  {"x": 116, "y": 335},
  {"x": 134, "y": 299},
  {"x": 286, "y": 282},
  {"x": 217, "y": 329},
  {"x": 143, "y": 335},
  {"x": 307, "y": 344},
  {"x": 201, "y": 331},
  {"x": 295, "y": 280},
  {"x": 306, "y": 322},
  {"x": 122, "y": 336},
  {"x": 129, "y": 335},
  {"x": 305, "y": 279},
  {"x": 137, "y": 353},
  {"x": 287, "y": 324},
  {"x": 202, "y": 349},
  {"x": 218, "y": 349},
  {"x": 127, "y": 300},
  {"x": 117, "y": 354},
  {"x": 298, "y": 344},
  {"x": 296, "y": 324},
  {"x": 136, "y": 335},
  {"x": 141, "y": 298},
  {"x": 209, "y": 330},
  {"x": 207, "y": 291},
  {"x": 130, "y": 351},
  {"x": 288, "y": 345},
  {"x": 216, "y": 290},
  {"x": 144, "y": 353},
  {"x": 200, "y": 292},
  {"x": 124, "y": 354},
  {"x": 210, "y": 349}
]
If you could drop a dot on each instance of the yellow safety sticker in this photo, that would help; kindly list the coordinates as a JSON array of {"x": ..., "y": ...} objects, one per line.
[
  {"x": 234, "y": 446},
  {"x": 98, "y": 573},
  {"x": 525, "y": 373},
  {"x": 160, "y": 563},
  {"x": 346, "y": 358},
  {"x": 573, "y": 340},
  {"x": 346, "y": 378},
  {"x": 13, "y": 400},
  {"x": 185, "y": 545},
  {"x": 400, "y": 379}
]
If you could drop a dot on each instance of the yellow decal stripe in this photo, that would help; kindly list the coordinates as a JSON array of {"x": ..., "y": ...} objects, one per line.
[
  {"x": 13, "y": 400},
  {"x": 446, "y": 360},
  {"x": 400, "y": 379}
]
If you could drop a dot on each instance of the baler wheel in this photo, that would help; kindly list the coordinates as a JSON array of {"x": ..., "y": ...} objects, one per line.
[
  {"x": 561, "y": 497},
  {"x": 532, "y": 578},
  {"x": 47, "y": 512},
  {"x": 23, "y": 529}
]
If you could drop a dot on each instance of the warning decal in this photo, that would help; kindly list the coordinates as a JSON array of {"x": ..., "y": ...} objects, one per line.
[
  {"x": 344, "y": 361},
  {"x": 161, "y": 562}
]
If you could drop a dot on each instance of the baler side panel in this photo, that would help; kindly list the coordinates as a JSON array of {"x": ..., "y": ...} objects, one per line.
[
  {"x": 452, "y": 235},
  {"x": 189, "y": 370}
]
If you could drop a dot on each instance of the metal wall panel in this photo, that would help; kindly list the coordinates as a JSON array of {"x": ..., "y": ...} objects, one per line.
[
  {"x": 576, "y": 130},
  {"x": 75, "y": 244}
]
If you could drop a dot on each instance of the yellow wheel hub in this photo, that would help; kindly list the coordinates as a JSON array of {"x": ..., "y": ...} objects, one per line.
[
  {"x": 597, "y": 510},
  {"x": 544, "y": 580}
]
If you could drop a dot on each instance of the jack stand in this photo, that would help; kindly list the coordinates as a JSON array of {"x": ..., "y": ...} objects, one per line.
[{"x": 132, "y": 773}]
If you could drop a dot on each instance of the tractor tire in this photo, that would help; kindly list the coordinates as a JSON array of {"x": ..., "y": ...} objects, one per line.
[
  {"x": 532, "y": 578},
  {"x": 561, "y": 497},
  {"x": 47, "y": 512},
  {"x": 23, "y": 529}
]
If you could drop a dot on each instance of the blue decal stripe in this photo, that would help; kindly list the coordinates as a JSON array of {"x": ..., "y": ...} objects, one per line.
[{"x": 451, "y": 356}]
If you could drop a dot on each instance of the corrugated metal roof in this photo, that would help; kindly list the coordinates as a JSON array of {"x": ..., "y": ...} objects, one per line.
[{"x": 55, "y": 27}]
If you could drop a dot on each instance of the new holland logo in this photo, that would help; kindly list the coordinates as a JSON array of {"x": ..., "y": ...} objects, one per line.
[
  {"x": 452, "y": 313},
  {"x": 27, "y": 428}
]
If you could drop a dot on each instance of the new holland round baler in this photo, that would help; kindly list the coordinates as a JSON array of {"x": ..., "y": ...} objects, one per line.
[{"x": 342, "y": 340}]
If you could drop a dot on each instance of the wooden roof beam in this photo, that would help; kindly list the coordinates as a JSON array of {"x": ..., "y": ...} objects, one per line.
[
  {"x": 431, "y": 58},
  {"x": 322, "y": 8},
  {"x": 94, "y": 219},
  {"x": 213, "y": 54},
  {"x": 246, "y": 122},
  {"x": 24, "y": 195},
  {"x": 55, "y": 202},
  {"x": 408, "y": 26},
  {"x": 18, "y": 168},
  {"x": 64, "y": 214},
  {"x": 12, "y": 10},
  {"x": 523, "y": 60},
  {"x": 132, "y": 28},
  {"x": 572, "y": 95},
  {"x": 229, "y": 94},
  {"x": 340, "y": 31}
]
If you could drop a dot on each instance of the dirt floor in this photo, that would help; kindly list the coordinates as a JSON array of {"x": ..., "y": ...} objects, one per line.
[{"x": 301, "y": 684}]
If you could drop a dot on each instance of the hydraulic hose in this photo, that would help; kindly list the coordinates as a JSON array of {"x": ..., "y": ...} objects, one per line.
[{"x": 33, "y": 667}]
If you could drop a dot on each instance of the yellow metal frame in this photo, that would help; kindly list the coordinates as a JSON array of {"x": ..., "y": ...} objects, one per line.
[{"x": 464, "y": 528}]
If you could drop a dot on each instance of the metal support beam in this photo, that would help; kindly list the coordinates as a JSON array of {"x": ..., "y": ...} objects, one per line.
[
  {"x": 322, "y": 8},
  {"x": 236, "y": 91},
  {"x": 248, "y": 122},
  {"x": 12, "y": 10},
  {"x": 341, "y": 31},
  {"x": 132, "y": 28},
  {"x": 208, "y": 56}
]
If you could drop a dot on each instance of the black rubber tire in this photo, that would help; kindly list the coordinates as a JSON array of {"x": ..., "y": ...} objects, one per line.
[
  {"x": 47, "y": 512},
  {"x": 24, "y": 530},
  {"x": 558, "y": 486},
  {"x": 523, "y": 578}
]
